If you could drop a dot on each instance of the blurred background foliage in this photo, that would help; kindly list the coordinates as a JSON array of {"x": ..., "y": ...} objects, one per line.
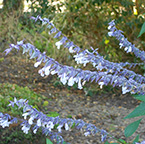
[{"x": 85, "y": 22}]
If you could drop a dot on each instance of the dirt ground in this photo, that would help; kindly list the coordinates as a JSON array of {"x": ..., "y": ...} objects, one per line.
[{"x": 106, "y": 111}]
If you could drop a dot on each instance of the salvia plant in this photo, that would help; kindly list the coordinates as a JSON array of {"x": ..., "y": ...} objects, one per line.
[{"x": 106, "y": 73}]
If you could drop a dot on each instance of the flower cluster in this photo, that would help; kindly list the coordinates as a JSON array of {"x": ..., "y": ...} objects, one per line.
[
  {"x": 6, "y": 120},
  {"x": 113, "y": 73},
  {"x": 58, "y": 34},
  {"x": 71, "y": 75},
  {"x": 123, "y": 42},
  {"x": 101, "y": 64},
  {"x": 84, "y": 57},
  {"x": 32, "y": 117}
]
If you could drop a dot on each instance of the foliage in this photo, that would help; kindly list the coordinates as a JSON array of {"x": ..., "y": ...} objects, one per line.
[
  {"x": 43, "y": 7},
  {"x": 87, "y": 24},
  {"x": 131, "y": 128},
  {"x": 11, "y": 30},
  {"x": 16, "y": 136},
  {"x": 142, "y": 30},
  {"x": 13, "y": 5},
  {"x": 8, "y": 91}
]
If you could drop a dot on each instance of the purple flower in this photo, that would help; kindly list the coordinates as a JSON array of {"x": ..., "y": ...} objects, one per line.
[
  {"x": 40, "y": 120},
  {"x": 58, "y": 34},
  {"x": 61, "y": 42},
  {"x": 103, "y": 135},
  {"x": 98, "y": 62},
  {"x": 7, "y": 51},
  {"x": 111, "y": 24},
  {"x": 69, "y": 75},
  {"x": 143, "y": 142},
  {"x": 25, "y": 129},
  {"x": 128, "y": 47}
]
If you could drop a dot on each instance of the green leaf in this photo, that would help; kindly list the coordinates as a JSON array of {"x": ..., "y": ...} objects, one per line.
[
  {"x": 142, "y": 30},
  {"x": 139, "y": 111},
  {"x": 140, "y": 97},
  {"x": 136, "y": 139},
  {"x": 123, "y": 141},
  {"x": 53, "y": 114},
  {"x": 48, "y": 141},
  {"x": 131, "y": 128}
]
